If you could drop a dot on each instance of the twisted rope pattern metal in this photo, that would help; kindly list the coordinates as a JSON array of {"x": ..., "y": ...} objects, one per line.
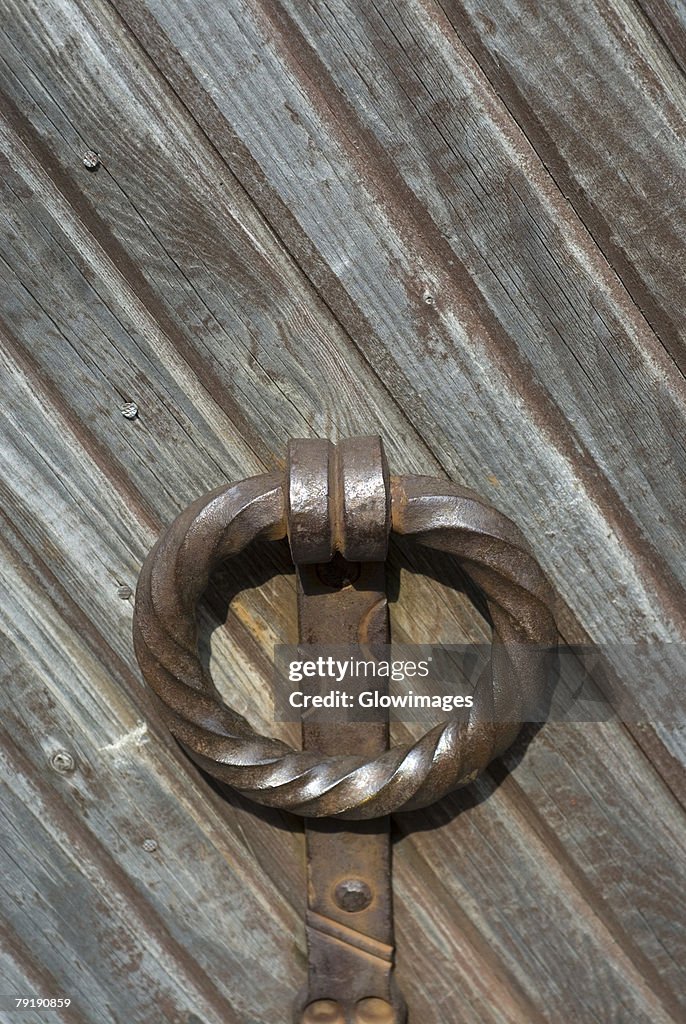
[{"x": 439, "y": 515}]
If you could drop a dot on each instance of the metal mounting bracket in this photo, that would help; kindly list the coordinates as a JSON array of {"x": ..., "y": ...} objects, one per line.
[
  {"x": 337, "y": 505},
  {"x": 338, "y": 527}
]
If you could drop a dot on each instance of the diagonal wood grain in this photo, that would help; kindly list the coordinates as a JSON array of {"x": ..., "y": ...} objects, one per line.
[
  {"x": 623, "y": 171},
  {"x": 570, "y": 450},
  {"x": 456, "y": 227},
  {"x": 169, "y": 805},
  {"x": 668, "y": 18}
]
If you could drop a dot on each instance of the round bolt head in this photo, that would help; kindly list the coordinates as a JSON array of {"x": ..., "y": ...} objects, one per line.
[
  {"x": 353, "y": 895},
  {"x": 374, "y": 1011},
  {"x": 91, "y": 160},
  {"x": 63, "y": 762},
  {"x": 323, "y": 1011}
]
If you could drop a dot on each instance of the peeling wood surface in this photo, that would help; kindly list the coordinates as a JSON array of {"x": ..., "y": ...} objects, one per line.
[{"x": 459, "y": 225}]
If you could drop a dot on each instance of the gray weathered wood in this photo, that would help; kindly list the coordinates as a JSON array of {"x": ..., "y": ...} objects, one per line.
[
  {"x": 668, "y": 18},
  {"x": 323, "y": 220},
  {"x": 544, "y": 379}
]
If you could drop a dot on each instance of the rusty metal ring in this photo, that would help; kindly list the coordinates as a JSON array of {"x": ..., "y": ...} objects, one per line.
[{"x": 435, "y": 512}]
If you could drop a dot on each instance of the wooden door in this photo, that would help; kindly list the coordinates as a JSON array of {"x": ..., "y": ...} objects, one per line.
[{"x": 459, "y": 225}]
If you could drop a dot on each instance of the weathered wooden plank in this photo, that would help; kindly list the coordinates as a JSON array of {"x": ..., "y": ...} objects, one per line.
[
  {"x": 508, "y": 899},
  {"x": 100, "y": 799},
  {"x": 573, "y": 785},
  {"x": 93, "y": 823},
  {"x": 92, "y": 715},
  {"x": 668, "y": 18},
  {"x": 121, "y": 820},
  {"x": 538, "y": 896},
  {"x": 74, "y": 78},
  {"x": 121, "y": 794},
  {"x": 600, "y": 99},
  {"x": 21, "y": 974},
  {"x": 193, "y": 306},
  {"x": 585, "y": 393},
  {"x": 209, "y": 290},
  {"x": 74, "y": 694}
]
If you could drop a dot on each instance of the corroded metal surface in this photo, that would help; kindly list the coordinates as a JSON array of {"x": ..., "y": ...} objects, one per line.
[
  {"x": 310, "y": 524},
  {"x": 349, "y": 900},
  {"x": 337, "y": 505},
  {"x": 436, "y": 513}
]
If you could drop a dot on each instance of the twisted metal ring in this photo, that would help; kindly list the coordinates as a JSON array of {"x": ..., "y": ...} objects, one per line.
[{"x": 437, "y": 514}]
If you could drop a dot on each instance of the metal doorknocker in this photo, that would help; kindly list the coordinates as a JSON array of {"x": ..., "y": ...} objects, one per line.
[{"x": 337, "y": 505}]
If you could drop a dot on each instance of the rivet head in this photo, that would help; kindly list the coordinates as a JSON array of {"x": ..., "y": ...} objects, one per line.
[
  {"x": 124, "y": 592},
  {"x": 353, "y": 895},
  {"x": 91, "y": 160},
  {"x": 323, "y": 1011},
  {"x": 374, "y": 1011},
  {"x": 149, "y": 845},
  {"x": 63, "y": 762},
  {"x": 129, "y": 411}
]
